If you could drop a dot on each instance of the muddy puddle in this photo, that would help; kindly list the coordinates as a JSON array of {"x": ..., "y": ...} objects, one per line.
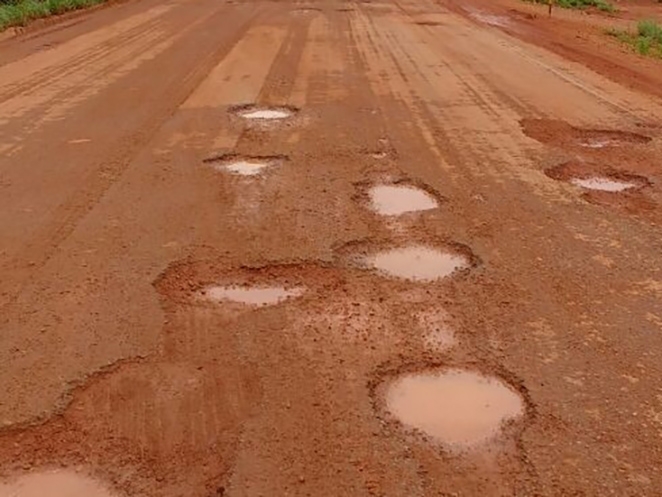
[
  {"x": 256, "y": 296},
  {"x": 454, "y": 407},
  {"x": 54, "y": 483},
  {"x": 597, "y": 177},
  {"x": 253, "y": 112},
  {"x": 417, "y": 263},
  {"x": 561, "y": 133},
  {"x": 244, "y": 168},
  {"x": 394, "y": 200},
  {"x": 244, "y": 165},
  {"x": 604, "y": 139},
  {"x": 602, "y": 184}
]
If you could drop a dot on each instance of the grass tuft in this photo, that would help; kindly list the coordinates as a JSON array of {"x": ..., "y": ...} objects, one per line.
[
  {"x": 21, "y": 12},
  {"x": 646, "y": 40},
  {"x": 602, "y": 5}
]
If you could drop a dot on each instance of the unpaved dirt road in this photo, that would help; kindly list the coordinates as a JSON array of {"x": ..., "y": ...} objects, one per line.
[{"x": 136, "y": 217}]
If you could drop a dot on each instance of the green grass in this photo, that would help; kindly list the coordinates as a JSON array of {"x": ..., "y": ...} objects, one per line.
[
  {"x": 21, "y": 12},
  {"x": 602, "y": 5},
  {"x": 646, "y": 40}
]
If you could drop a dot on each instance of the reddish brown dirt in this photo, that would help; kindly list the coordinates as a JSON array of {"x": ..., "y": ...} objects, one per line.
[
  {"x": 578, "y": 35},
  {"x": 114, "y": 220}
]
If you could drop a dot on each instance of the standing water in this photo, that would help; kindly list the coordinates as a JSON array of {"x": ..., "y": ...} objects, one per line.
[
  {"x": 455, "y": 407},
  {"x": 258, "y": 296},
  {"x": 56, "y": 483},
  {"x": 602, "y": 184},
  {"x": 393, "y": 200},
  {"x": 417, "y": 262}
]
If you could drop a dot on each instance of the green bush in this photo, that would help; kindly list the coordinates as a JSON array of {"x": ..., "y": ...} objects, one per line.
[
  {"x": 646, "y": 40},
  {"x": 20, "y": 12},
  {"x": 650, "y": 29},
  {"x": 602, "y": 5}
]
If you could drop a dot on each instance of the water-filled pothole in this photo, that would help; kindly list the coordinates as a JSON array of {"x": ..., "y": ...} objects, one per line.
[
  {"x": 561, "y": 133},
  {"x": 393, "y": 200},
  {"x": 243, "y": 166},
  {"x": 596, "y": 177},
  {"x": 260, "y": 113},
  {"x": 55, "y": 483},
  {"x": 602, "y": 184},
  {"x": 454, "y": 407},
  {"x": 417, "y": 262},
  {"x": 254, "y": 295}
]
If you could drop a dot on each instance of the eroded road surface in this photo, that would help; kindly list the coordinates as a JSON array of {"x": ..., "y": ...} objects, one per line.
[{"x": 328, "y": 249}]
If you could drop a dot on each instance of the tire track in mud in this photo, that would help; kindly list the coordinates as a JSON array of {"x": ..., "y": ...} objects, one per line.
[
  {"x": 69, "y": 214},
  {"x": 290, "y": 397},
  {"x": 250, "y": 481}
]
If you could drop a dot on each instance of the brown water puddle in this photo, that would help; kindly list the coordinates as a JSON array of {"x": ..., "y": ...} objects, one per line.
[
  {"x": 393, "y": 200},
  {"x": 55, "y": 483},
  {"x": 254, "y": 112},
  {"x": 602, "y": 184},
  {"x": 454, "y": 407},
  {"x": 258, "y": 296},
  {"x": 244, "y": 168},
  {"x": 561, "y": 133},
  {"x": 417, "y": 262}
]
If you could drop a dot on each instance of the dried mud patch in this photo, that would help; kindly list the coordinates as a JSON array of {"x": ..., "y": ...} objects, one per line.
[{"x": 560, "y": 133}]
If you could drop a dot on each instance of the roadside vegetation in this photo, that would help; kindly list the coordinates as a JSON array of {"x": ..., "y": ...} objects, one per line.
[
  {"x": 602, "y": 5},
  {"x": 20, "y": 12},
  {"x": 646, "y": 40}
]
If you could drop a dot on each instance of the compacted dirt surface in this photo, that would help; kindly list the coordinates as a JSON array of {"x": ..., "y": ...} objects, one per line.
[{"x": 331, "y": 249}]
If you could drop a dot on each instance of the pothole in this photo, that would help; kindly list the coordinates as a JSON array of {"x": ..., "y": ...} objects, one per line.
[
  {"x": 596, "y": 177},
  {"x": 606, "y": 138},
  {"x": 561, "y": 133},
  {"x": 254, "y": 112},
  {"x": 55, "y": 483},
  {"x": 454, "y": 407},
  {"x": 255, "y": 295},
  {"x": 417, "y": 262},
  {"x": 393, "y": 200},
  {"x": 243, "y": 166},
  {"x": 602, "y": 184}
]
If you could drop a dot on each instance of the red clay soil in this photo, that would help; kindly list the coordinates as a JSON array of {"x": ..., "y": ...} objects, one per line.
[
  {"x": 579, "y": 36},
  {"x": 115, "y": 219}
]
